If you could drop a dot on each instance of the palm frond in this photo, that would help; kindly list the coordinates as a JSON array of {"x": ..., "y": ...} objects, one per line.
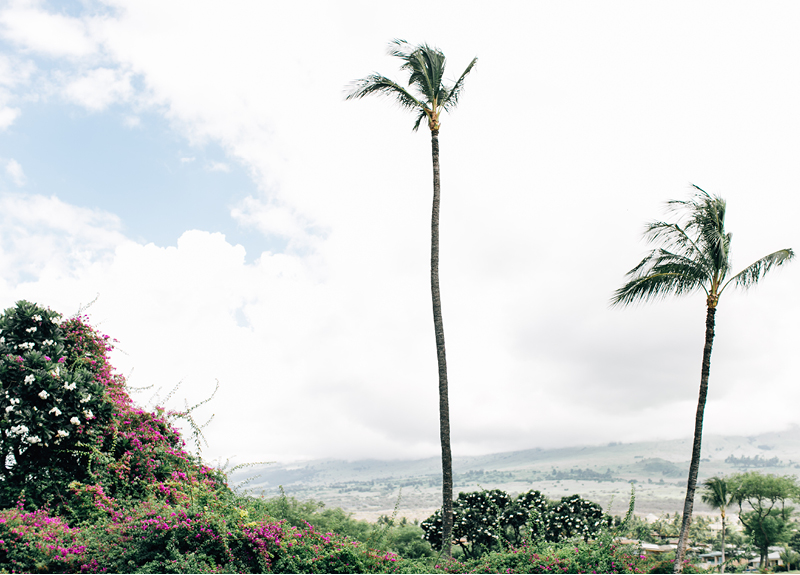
[
  {"x": 750, "y": 275},
  {"x": 658, "y": 275},
  {"x": 701, "y": 238},
  {"x": 424, "y": 64},
  {"x": 422, "y": 115},
  {"x": 708, "y": 221},
  {"x": 451, "y": 101},
  {"x": 674, "y": 238},
  {"x": 399, "y": 48},
  {"x": 716, "y": 494},
  {"x": 377, "y": 84}
]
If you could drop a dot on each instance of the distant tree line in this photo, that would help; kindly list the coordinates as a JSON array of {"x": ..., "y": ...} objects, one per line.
[
  {"x": 581, "y": 474},
  {"x": 756, "y": 461}
]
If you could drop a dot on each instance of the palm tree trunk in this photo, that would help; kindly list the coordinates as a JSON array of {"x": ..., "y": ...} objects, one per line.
[
  {"x": 438, "y": 325},
  {"x": 722, "y": 568},
  {"x": 694, "y": 466}
]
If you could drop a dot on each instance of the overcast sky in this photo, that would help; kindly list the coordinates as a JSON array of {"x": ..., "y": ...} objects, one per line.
[{"x": 196, "y": 165}]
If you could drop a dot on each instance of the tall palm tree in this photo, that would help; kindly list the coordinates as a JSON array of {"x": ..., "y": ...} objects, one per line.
[
  {"x": 427, "y": 97},
  {"x": 716, "y": 496},
  {"x": 692, "y": 256}
]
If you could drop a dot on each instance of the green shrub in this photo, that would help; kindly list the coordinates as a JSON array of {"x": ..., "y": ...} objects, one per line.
[{"x": 487, "y": 521}]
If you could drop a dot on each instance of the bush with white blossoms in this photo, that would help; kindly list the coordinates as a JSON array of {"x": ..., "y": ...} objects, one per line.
[
  {"x": 484, "y": 521},
  {"x": 50, "y": 404}
]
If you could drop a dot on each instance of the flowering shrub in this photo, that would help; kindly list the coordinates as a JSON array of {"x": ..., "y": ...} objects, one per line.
[
  {"x": 51, "y": 406},
  {"x": 166, "y": 539},
  {"x": 574, "y": 516},
  {"x": 490, "y": 520},
  {"x": 34, "y": 541}
]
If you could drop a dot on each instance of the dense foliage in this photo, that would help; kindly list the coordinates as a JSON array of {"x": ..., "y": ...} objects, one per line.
[
  {"x": 491, "y": 520},
  {"x": 56, "y": 404}
]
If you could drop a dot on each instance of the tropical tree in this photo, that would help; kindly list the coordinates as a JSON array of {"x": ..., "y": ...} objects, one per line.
[
  {"x": 768, "y": 518},
  {"x": 716, "y": 496},
  {"x": 428, "y": 96},
  {"x": 694, "y": 254}
]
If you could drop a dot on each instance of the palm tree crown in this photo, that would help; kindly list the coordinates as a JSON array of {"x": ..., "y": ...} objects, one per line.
[
  {"x": 426, "y": 67},
  {"x": 716, "y": 494},
  {"x": 695, "y": 255}
]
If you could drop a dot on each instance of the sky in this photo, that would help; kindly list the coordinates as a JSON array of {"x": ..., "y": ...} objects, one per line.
[{"x": 194, "y": 170}]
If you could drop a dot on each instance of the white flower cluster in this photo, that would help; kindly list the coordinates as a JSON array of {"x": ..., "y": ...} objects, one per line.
[
  {"x": 19, "y": 430},
  {"x": 75, "y": 421},
  {"x": 48, "y": 342},
  {"x": 87, "y": 413},
  {"x": 37, "y": 317},
  {"x": 31, "y": 330},
  {"x": 30, "y": 378},
  {"x": 87, "y": 398},
  {"x": 34, "y": 439},
  {"x": 55, "y": 372},
  {"x": 13, "y": 402},
  {"x": 28, "y": 345},
  {"x": 70, "y": 386},
  {"x": 62, "y": 433},
  {"x": 43, "y": 394},
  {"x": 55, "y": 411}
]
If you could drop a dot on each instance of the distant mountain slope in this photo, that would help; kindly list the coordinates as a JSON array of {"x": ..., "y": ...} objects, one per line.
[{"x": 658, "y": 469}]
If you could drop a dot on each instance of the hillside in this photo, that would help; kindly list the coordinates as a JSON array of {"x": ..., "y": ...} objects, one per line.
[{"x": 369, "y": 488}]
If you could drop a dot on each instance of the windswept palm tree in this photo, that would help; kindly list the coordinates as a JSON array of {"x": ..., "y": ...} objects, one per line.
[
  {"x": 427, "y": 97},
  {"x": 694, "y": 255},
  {"x": 716, "y": 496}
]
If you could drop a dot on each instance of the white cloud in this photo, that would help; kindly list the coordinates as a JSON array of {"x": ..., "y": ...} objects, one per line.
[
  {"x": 7, "y": 116},
  {"x": 41, "y": 236},
  {"x": 25, "y": 23},
  {"x": 14, "y": 170},
  {"x": 219, "y": 167},
  {"x": 187, "y": 160},
  {"x": 99, "y": 88},
  {"x": 14, "y": 72},
  {"x": 132, "y": 121},
  {"x": 274, "y": 220}
]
